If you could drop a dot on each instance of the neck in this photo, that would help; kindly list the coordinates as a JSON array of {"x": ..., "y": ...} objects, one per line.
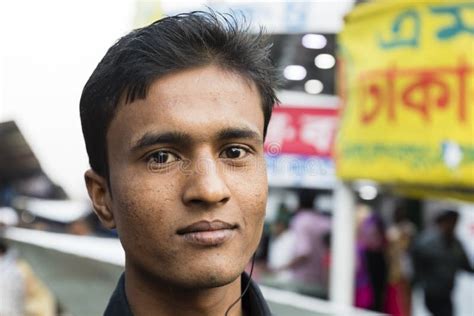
[{"x": 147, "y": 294}]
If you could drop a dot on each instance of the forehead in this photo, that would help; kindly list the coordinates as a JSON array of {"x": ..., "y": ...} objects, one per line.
[{"x": 200, "y": 102}]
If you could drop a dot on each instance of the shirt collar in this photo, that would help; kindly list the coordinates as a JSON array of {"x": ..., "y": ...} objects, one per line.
[
  {"x": 253, "y": 302},
  {"x": 118, "y": 303}
]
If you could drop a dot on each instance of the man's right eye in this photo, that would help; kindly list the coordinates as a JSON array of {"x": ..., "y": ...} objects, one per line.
[{"x": 161, "y": 158}]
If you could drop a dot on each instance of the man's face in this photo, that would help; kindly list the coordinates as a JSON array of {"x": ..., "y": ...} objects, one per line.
[{"x": 188, "y": 184}]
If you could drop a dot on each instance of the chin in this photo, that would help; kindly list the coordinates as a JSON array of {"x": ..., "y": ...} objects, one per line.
[
  {"x": 217, "y": 279},
  {"x": 211, "y": 276},
  {"x": 213, "y": 280}
]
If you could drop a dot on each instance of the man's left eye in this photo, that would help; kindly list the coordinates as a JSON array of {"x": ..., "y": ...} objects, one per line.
[{"x": 234, "y": 152}]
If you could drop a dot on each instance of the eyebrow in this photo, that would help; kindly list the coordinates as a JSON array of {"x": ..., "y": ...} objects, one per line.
[
  {"x": 150, "y": 139},
  {"x": 184, "y": 139},
  {"x": 239, "y": 133}
]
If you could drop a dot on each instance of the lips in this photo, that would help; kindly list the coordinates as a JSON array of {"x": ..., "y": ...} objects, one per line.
[
  {"x": 205, "y": 226},
  {"x": 207, "y": 233}
]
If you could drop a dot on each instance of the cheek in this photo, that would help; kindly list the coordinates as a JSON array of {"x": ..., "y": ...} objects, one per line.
[
  {"x": 140, "y": 212},
  {"x": 254, "y": 190},
  {"x": 252, "y": 199}
]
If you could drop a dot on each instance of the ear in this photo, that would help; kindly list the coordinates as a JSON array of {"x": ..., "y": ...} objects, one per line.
[{"x": 100, "y": 196}]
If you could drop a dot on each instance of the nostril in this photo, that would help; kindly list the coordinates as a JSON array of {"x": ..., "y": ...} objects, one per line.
[
  {"x": 203, "y": 202},
  {"x": 196, "y": 201},
  {"x": 225, "y": 200}
]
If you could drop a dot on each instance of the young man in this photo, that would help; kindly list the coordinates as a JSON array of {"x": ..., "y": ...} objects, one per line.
[{"x": 174, "y": 118}]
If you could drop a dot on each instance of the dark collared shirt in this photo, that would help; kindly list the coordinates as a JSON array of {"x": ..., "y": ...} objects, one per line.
[{"x": 253, "y": 302}]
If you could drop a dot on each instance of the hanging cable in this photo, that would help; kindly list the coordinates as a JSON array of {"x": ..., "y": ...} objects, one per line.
[{"x": 246, "y": 287}]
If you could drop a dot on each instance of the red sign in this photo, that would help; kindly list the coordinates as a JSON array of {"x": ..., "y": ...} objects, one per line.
[{"x": 299, "y": 130}]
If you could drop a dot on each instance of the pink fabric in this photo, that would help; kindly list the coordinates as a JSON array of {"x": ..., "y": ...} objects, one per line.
[
  {"x": 397, "y": 304},
  {"x": 364, "y": 297},
  {"x": 310, "y": 228}
]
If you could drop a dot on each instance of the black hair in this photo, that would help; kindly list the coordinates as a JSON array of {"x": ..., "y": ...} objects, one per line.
[
  {"x": 446, "y": 215},
  {"x": 171, "y": 44},
  {"x": 306, "y": 198}
]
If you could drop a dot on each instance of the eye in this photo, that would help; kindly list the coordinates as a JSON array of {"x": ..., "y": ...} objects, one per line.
[
  {"x": 161, "y": 158},
  {"x": 234, "y": 152}
]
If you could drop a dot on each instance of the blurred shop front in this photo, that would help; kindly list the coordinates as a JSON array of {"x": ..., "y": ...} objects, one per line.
[
  {"x": 406, "y": 77},
  {"x": 298, "y": 151}
]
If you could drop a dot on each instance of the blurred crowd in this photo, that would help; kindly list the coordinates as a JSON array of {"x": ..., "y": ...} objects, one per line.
[{"x": 392, "y": 256}]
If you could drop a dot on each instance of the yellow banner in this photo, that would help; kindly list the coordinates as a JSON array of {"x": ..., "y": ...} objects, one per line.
[{"x": 407, "y": 87}]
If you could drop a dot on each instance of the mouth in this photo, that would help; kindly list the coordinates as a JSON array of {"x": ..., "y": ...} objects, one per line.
[{"x": 205, "y": 233}]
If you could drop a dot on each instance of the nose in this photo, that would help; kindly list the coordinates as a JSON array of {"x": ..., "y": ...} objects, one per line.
[{"x": 205, "y": 185}]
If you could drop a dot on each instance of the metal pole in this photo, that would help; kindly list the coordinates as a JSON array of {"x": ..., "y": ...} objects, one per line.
[{"x": 341, "y": 287}]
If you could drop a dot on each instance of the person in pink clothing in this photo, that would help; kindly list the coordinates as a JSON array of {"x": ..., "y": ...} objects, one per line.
[
  {"x": 307, "y": 267},
  {"x": 371, "y": 265}
]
